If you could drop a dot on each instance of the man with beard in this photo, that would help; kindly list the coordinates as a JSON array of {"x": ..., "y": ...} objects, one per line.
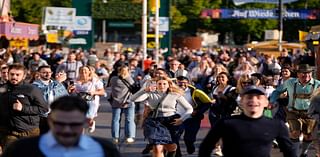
[
  {"x": 65, "y": 138},
  {"x": 299, "y": 91},
  {"x": 21, "y": 105},
  {"x": 51, "y": 89}
]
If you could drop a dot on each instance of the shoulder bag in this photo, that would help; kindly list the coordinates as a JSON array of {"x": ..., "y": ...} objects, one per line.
[{"x": 154, "y": 130}]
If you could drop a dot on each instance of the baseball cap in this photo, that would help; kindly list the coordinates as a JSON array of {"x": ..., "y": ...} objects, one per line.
[{"x": 253, "y": 90}]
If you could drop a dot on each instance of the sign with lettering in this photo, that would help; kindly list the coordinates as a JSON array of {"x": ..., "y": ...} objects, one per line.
[
  {"x": 301, "y": 14},
  {"x": 59, "y": 16},
  {"x": 19, "y": 30},
  {"x": 240, "y": 2}
]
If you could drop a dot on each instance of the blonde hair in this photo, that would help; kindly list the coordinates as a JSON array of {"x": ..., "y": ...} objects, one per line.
[
  {"x": 243, "y": 78},
  {"x": 223, "y": 68},
  {"x": 173, "y": 88},
  {"x": 123, "y": 71},
  {"x": 90, "y": 70}
]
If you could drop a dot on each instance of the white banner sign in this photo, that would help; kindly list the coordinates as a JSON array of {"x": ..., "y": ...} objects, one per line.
[
  {"x": 163, "y": 23},
  {"x": 82, "y": 23},
  {"x": 240, "y": 2},
  {"x": 61, "y": 17}
]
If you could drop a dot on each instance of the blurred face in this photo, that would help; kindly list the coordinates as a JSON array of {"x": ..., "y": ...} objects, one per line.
[
  {"x": 4, "y": 73},
  {"x": 16, "y": 76},
  {"x": 222, "y": 79},
  {"x": 84, "y": 72},
  {"x": 245, "y": 83},
  {"x": 174, "y": 65},
  {"x": 67, "y": 126},
  {"x": 72, "y": 57},
  {"x": 183, "y": 84},
  {"x": 160, "y": 73},
  {"x": 255, "y": 80},
  {"x": 36, "y": 57},
  {"x": 286, "y": 73},
  {"x": 253, "y": 104},
  {"x": 162, "y": 85},
  {"x": 304, "y": 77},
  {"x": 45, "y": 74}
]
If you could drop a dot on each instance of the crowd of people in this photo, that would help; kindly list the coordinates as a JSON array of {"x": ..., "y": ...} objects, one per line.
[{"x": 174, "y": 93}]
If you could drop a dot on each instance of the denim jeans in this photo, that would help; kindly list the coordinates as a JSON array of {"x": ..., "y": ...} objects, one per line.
[{"x": 130, "y": 126}]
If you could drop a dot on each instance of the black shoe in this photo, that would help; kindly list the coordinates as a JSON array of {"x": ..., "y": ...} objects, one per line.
[
  {"x": 304, "y": 155},
  {"x": 190, "y": 148},
  {"x": 147, "y": 149}
]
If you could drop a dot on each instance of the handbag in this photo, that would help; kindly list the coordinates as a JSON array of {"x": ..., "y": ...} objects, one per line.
[
  {"x": 85, "y": 96},
  {"x": 154, "y": 130},
  {"x": 134, "y": 88}
]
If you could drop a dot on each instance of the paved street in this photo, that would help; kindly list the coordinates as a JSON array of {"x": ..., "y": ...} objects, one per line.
[{"x": 103, "y": 129}]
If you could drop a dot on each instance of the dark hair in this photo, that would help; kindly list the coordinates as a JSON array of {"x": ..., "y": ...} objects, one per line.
[
  {"x": 224, "y": 73},
  {"x": 181, "y": 78},
  {"x": 43, "y": 66},
  {"x": 18, "y": 66},
  {"x": 70, "y": 103}
]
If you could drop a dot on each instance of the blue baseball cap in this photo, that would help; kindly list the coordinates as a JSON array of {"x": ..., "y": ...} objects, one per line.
[{"x": 254, "y": 90}]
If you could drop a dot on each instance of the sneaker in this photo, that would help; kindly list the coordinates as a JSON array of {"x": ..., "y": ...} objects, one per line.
[
  {"x": 115, "y": 140},
  {"x": 217, "y": 151},
  {"x": 129, "y": 140},
  {"x": 92, "y": 128}
]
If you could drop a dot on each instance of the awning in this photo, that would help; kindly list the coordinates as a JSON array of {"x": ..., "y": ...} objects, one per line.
[
  {"x": 19, "y": 30},
  {"x": 274, "y": 45},
  {"x": 315, "y": 28}
]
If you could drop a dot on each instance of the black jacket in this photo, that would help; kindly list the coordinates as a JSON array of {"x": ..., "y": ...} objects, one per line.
[
  {"x": 33, "y": 106},
  {"x": 30, "y": 147}
]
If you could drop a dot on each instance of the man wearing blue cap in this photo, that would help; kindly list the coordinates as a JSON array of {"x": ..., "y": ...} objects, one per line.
[{"x": 249, "y": 134}]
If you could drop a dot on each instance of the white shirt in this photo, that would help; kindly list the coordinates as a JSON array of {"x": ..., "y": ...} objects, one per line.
[{"x": 86, "y": 147}]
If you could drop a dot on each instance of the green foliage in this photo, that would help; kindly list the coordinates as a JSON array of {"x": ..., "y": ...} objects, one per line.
[
  {"x": 241, "y": 27},
  {"x": 31, "y": 11},
  {"x": 116, "y": 10},
  {"x": 177, "y": 18}
]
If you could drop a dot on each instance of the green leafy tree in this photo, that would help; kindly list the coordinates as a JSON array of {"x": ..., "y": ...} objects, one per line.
[
  {"x": 31, "y": 11},
  {"x": 177, "y": 18}
]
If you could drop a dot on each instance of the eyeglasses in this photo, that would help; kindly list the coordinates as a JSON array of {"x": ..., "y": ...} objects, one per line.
[
  {"x": 73, "y": 125},
  {"x": 46, "y": 72}
]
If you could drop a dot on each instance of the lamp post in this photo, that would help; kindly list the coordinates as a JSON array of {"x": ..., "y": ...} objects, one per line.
[
  {"x": 280, "y": 26},
  {"x": 104, "y": 29},
  {"x": 156, "y": 26}
]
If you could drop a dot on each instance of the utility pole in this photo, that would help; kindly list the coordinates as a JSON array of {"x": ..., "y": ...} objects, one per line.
[
  {"x": 104, "y": 27},
  {"x": 156, "y": 26},
  {"x": 144, "y": 30},
  {"x": 280, "y": 24}
]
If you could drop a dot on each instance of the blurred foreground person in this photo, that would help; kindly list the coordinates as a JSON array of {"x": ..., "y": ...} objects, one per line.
[
  {"x": 65, "y": 138},
  {"x": 249, "y": 134}
]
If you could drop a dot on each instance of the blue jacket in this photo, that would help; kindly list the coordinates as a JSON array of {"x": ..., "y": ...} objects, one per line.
[{"x": 56, "y": 87}]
